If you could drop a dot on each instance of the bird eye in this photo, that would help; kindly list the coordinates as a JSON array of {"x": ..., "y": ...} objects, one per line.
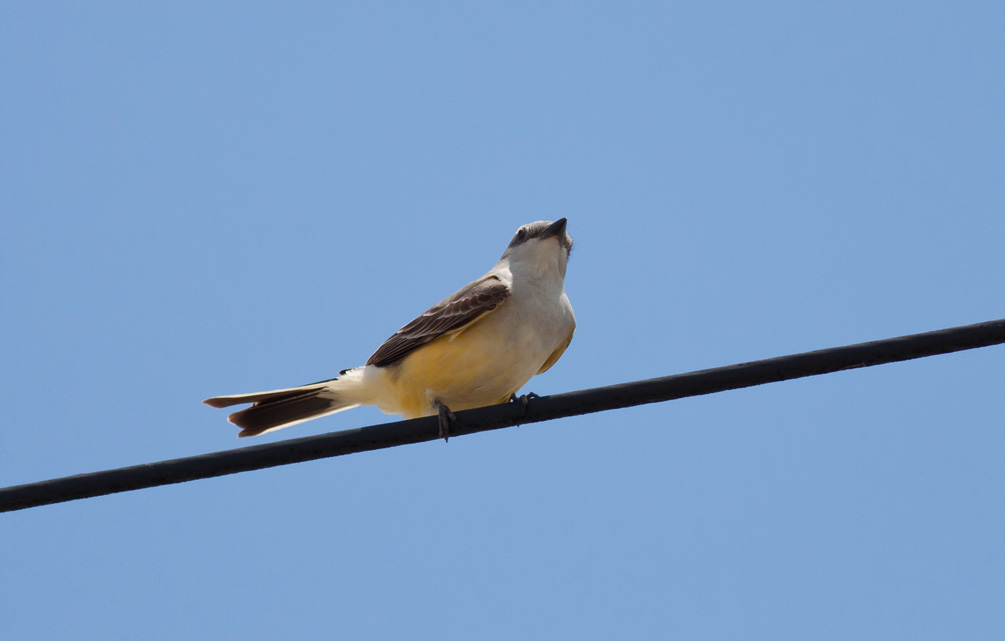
[{"x": 521, "y": 234}]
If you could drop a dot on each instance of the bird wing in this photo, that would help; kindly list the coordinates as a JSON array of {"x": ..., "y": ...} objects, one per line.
[
  {"x": 452, "y": 314},
  {"x": 557, "y": 354}
]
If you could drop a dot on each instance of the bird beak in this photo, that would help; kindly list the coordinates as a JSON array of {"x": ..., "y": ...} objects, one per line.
[{"x": 557, "y": 229}]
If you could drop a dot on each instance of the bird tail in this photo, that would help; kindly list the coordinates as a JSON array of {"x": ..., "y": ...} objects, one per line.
[{"x": 284, "y": 407}]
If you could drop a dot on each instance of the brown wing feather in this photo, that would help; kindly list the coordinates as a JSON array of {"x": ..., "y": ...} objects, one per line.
[{"x": 449, "y": 315}]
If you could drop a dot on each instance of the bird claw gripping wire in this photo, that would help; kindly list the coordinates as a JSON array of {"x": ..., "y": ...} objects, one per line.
[
  {"x": 523, "y": 400},
  {"x": 447, "y": 419}
]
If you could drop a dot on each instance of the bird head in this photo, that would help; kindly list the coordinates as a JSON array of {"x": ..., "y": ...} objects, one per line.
[{"x": 539, "y": 247}]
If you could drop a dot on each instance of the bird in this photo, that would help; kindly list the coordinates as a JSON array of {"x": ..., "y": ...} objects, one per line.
[{"x": 476, "y": 347}]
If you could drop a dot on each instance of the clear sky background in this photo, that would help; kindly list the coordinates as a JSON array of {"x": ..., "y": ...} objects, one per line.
[{"x": 211, "y": 198}]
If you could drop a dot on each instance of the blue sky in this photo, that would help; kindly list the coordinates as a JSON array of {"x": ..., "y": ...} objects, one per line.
[{"x": 205, "y": 199}]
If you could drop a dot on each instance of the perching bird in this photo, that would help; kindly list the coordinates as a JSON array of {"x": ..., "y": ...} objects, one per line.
[{"x": 478, "y": 347}]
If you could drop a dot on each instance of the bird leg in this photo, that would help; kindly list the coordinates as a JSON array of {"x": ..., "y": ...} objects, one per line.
[
  {"x": 523, "y": 399},
  {"x": 446, "y": 419}
]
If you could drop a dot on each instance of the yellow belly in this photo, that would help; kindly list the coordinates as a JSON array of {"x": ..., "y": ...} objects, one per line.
[{"x": 473, "y": 368}]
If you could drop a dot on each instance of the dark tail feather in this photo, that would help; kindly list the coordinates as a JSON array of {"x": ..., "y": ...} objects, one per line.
[
  {"x": 284, "y": 407},
  {"x": 284, "y": 410},
  {"x": 237, "y": 399},
  {"x": 281, "y": 408}
]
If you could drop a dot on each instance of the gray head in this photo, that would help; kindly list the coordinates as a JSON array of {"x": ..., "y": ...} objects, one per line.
[{"x": 539, "y": 246}]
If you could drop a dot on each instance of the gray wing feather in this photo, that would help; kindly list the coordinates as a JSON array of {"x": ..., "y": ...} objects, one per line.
[{"x": 451, "y": 314}]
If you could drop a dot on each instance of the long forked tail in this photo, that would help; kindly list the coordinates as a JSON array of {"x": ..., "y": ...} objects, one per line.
[{"x": 284, "y": 407}]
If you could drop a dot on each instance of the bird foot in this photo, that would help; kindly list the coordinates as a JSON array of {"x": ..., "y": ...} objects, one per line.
[
  {"x": 447, "y": 418},
  {"x": 523, "y": 399}
]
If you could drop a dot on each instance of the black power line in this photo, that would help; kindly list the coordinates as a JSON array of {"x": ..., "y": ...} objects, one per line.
[{"x": 545, "y": 408}]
